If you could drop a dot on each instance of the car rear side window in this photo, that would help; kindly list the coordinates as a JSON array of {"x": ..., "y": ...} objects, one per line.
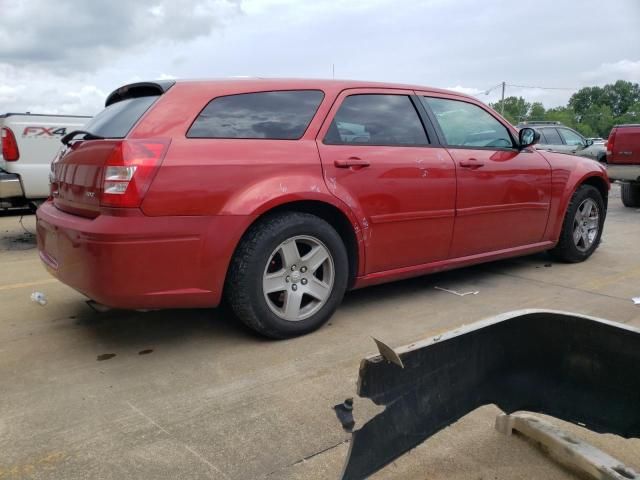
[
  {"x": 376, "y": 119},
  {"x": 118, "y": 119},
  {"x": 551, "y": 134},
  {"x": 466, "y": 125},
  {"x": 279, "y": 115}
]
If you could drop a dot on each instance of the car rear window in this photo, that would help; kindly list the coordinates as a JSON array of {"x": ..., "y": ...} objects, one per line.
[
  {"x": 280, "y": 115},
  {"x": 118, "y": 119}
]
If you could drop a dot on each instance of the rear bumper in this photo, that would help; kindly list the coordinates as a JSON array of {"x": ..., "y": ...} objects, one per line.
[
  {"x": 136, "y": 261},
  {"x": 10, "y": 186},
  {"x": 629, "y": 173}
]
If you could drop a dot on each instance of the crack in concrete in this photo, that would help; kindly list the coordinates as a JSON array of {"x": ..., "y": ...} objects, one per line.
[
  {"x": 187, "y": 447},
  {"x": 308, "y": 457},
  {"x": 575, "y": 289}
]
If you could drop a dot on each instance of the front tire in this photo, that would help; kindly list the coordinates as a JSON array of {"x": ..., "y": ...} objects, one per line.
[
  {"x": 288, "y": 275},
  {"x": 630, "y": 193},
  {"x": 582, "y": 226}
]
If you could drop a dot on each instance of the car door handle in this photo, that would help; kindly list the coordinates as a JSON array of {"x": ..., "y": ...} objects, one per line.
[
  {"x": 472, "y": 163},
  {"x": 351, "y": 162}
]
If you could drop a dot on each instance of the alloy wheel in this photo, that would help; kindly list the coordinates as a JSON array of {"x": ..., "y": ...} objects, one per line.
[
  {"x": 586, "y": 224},
  {"x": 298, "y": 278}
]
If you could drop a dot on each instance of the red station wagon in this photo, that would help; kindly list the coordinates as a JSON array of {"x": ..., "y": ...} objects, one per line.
[{"x": 279, "y": 195}]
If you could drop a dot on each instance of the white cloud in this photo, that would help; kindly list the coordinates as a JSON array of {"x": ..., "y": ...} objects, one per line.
[
  {"x": 610, "y": 72},
  {"x": 50, "y": 51},
  {"x": 465, "y": 90},
  {"x": 82, "y": 34}
]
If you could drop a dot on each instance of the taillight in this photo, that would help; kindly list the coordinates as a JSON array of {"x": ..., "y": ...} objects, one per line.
[
  {"x": 611, "y": 141},
  {"x": 129, "y": 171},
  {"x": 10, "y": 150}
]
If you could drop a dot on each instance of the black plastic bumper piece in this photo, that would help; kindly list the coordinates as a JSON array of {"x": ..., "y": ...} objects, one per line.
[{"x": 579, "y": 369}]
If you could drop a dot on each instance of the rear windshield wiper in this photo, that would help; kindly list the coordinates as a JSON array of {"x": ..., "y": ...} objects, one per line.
[{"x": 87, "y": 136}]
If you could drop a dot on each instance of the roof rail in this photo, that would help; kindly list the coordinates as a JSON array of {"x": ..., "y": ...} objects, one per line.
[{"x": 540, "y": 122}]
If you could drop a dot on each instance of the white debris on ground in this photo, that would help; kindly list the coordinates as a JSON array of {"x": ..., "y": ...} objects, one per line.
[
  {"x": 459, "y": 294},
  {"x": 636, "y": 300},
  {"x": 39, "y": 298}
]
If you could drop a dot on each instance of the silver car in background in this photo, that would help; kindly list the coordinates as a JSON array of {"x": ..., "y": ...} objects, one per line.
[{"x": 556, "y": 137}]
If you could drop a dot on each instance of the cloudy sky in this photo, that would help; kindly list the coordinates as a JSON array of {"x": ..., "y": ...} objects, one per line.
[{"x": 65, "y": 56}]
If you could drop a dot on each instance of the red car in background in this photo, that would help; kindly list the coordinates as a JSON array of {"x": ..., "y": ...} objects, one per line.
[
  {"x": 279, "y": 195},
  {"x": 623, "y": 161}
]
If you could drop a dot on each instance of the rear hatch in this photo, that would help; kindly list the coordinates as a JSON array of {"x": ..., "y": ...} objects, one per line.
[
  {"x": 624, "y": 145},
  {"x": 99, "y": 167}
]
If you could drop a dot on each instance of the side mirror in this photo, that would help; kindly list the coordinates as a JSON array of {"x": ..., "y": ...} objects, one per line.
[
  {"x": 588, "y": 142},
  {"x": 528, "y": 137}
]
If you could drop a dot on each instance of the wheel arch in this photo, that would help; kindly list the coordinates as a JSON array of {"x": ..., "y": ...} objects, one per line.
[
  {"x": 339, "y": 219},
  {"x": 593, "y": 179},
  {"x": 599, "y": 183}
]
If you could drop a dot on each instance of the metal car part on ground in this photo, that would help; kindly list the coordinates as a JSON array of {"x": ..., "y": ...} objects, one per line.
[{"x": 577, "y": 368}]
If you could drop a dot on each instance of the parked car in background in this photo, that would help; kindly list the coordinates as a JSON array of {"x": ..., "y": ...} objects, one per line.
[
  {"x": 597, "y": 140},
  {"x": 279, "y": 195},
  {"x": 29, "y": 143},
  {"x": 556, "y": 137},
  {"x": 623, "y": 161}
]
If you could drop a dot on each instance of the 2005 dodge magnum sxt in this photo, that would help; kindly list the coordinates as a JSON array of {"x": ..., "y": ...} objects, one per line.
[{"x": 279, "y": 195}]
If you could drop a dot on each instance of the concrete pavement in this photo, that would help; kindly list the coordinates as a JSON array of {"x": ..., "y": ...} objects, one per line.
[{"x": 192, "y": 394}]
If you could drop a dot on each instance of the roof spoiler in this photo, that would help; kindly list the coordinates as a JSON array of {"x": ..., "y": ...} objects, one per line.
[
  {"x": 139, "y": 89},
  {"x": 576, "y": 368}
]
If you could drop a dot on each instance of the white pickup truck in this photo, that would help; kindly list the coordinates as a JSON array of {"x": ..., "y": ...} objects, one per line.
[{"x": 29, "y": 144}]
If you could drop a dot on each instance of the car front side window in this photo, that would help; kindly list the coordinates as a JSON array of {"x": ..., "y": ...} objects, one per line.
[
  {"x": 467, "y": 125},
  {"x": 552, "y": 136},
  {"x": 570, "y": 137}
]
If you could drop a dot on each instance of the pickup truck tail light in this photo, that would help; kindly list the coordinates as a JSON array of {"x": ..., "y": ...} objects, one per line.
[
  {"x": 610, "y": 141},
  {"x": 129, "y": 171},
  {"x": 10, "y": 150}
]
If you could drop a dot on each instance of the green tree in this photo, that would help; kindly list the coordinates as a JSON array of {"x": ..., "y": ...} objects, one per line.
[
  {"x": 516, "y": 109},
  {"x": 564, "y": 115},
  {"x": 618, "y": 97},
  {"x": 596, "y": 121},
  {"x": 585, "y": 98},
  {"x": 632, "y": 115},
  {"x": 537, "y": 112},
  {"x": 592, "y": 111}
]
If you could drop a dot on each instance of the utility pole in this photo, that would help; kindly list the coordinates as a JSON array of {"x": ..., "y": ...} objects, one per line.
[{"x": 502, "y": 102}]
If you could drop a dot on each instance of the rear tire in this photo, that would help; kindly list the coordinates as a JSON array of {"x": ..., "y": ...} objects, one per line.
[
  {"x": 288, "y": 275},
  {"x": 630, "y": 193},
  {"x": 582, "y": 226}
]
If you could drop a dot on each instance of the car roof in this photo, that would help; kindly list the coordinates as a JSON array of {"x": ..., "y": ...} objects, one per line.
[{"x": 259, "y": 83}]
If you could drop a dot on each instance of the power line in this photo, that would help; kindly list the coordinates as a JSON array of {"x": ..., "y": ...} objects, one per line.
[
  {"x": 541, "y": 88},
  {"x": 489, "y": 90}
]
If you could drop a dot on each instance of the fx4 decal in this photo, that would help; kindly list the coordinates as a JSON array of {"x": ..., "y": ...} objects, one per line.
[{"x": 36, "y": 131}]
